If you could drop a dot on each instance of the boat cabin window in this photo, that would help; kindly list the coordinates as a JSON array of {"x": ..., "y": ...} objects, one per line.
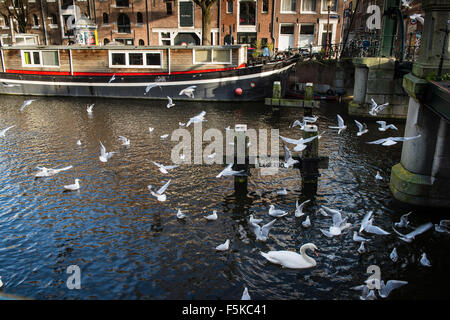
[
  {"x": 134, "y": 59},
  {"x": 32, "y": 58},
  {"x": 214, "y": 56}
]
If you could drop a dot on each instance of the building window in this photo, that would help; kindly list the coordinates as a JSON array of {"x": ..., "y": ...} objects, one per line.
[
  {"x": 139, "y": 18},
  {"x": 212, "y": 56},
  {"x": 165, "y": 39},
  {"x": 141, "y": 42},
  {"x": 169, "y": 8},
  {"x": 35, "y": 21},
  {"x": 309, "y": 6},
  {"x": 307, "y": 35},
  {"x": 135, "y": 59},
  {"x": 105, "y": 41},
  {"x": 186, "y": 13},
  {"x": 122, "y": 3},
  {"x": 54, "y": 19},
  {"x": 229, "y": 6},
  {"x": 265, "y": 6},
  {"x": 48, "y": 58},
  {"x": 333, "y": 8},
  {"x": 247, "y": 13},
  {"x": 105, "y": 18},
  {"x": 288, "y": 6},
  {"x": 123, "y": 24}
]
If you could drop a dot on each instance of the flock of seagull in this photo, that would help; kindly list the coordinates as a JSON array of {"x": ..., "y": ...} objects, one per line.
[{"x": 286, "y": 259}]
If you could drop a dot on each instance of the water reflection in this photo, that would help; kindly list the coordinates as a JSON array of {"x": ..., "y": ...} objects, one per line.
[{"x": 130, "y": 246}]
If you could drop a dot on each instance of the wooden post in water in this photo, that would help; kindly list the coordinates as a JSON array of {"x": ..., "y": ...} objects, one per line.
[
  {"x": 276, "y": 96},
  {"x": 310, "y": 161},
  {"x": 241, "y": 159}
]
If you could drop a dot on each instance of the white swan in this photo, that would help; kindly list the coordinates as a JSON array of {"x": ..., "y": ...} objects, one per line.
[{"x": 293, "y": 260}]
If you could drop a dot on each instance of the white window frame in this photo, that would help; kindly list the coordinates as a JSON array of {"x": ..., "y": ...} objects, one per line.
[
  {"x": 316, "y": 26},
  {"x": 288, "y": 12},
  {"x": 226, "y": 3},
  {"x": 246, "y": 28},
  {"x": 41, "y": 64},
  {"x": 322, "y": 29},
  {"x": 262, "y": 7},
  {"x": 324, "y": 9},
  {"x": 308, "y": 12},
  {"x": 193, "y": 15},
  {"x": 212, "y": 62},
  {"x": 127, "y": 61}
]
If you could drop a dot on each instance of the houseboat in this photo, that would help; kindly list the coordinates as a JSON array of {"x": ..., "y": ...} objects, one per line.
[{"x": 214, "y": 73}]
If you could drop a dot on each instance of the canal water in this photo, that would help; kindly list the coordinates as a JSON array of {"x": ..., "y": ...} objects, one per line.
[{"x": 130, "y": 246}]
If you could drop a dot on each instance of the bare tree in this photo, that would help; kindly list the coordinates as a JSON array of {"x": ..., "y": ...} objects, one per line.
[
  {"x": 205, "y": 5},
  {"x": 18, "y": 10}
]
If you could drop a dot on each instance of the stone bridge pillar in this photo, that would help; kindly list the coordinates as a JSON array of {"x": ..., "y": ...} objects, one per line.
[{"x": 423, "y": 175}]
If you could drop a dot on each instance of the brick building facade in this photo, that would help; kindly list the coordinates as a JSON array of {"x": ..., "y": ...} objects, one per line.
[{"x": 285, "y": 23}]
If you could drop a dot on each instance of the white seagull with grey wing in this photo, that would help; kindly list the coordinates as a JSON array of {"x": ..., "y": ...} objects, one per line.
[
  {"x": 341, "y": 126},
  {"x": 393, "y": 140},
  {"x": 189, "y": 91},
  {"x": 160, "y": 193}
]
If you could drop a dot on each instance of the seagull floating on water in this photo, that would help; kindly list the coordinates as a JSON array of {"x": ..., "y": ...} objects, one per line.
[
  {"x": 361, "y": 248},
  {"x": 299, "y": 208},
  {"x": 150, "y": 129},
  {"x": 79, "y": 142},
  {"x": 212, "y": 216},
  {"x": 378, "y": 176},
  {"x": 170, "y": 102},
  {"x": 48, "y": 172},
  {"x": 282, "y": 192},
  {"x": 377, "y": 108},
  {"x": 180, "y": 215},
  {"x": 276, "y": 212},
  {"x": 181, "y": 124},
  {"x": 160, "y": 193},
  {"x": 443, "y": 226},
  {"x": 341, "y": 126},
  {"x": 164, "y": 136},
  {"x": 125, "y": 141},
  {"x": 307, "y": 222},
  {"x": 383, "y": 126},
  {"x": 73, "y": 187},
  {"x": 164, "y": 168},
  {"x": 262, "y": 233},
  {"x": 253, "y": 220},
  {"x": 104, "y": 156},
  {"x": 224, "y": 246},
  {"x": 3, "y": 132},
  {"x": 394, "y": 255},
  {"x": 189, "y": 91},
  {"x": 393, "y": 140},
  {"x": 26, "y": 103},
  {"x": 245, "y": 295},
  {"x": 424, "y": 260},
  {"x": 403, "y": 223}
]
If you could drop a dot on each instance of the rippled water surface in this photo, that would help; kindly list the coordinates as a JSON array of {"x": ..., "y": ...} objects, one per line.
[{"x": 130, "y": 246}]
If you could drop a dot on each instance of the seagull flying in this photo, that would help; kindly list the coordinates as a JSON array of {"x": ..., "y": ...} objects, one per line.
[
  {"x": 299, "y": 208},
  {"x": 340, "y": 126},
  {"x": 362, "y": 128},
  {"x": 112, "y": 78},
  {"x": 198, "y": 118},
  {"x": 384, "y": 127},
  {"x": 150, "y": 129},
  {"x": 394, "y": 255},
  {"x": 417, "y": 17},
  {"x": 26, "y": 103},
  {"x": 262, "y": 233},
  {"x": 366, "y": 225},
  {"x": 338, "y": 225},
  {"x": 392, "y": 140},
  {"x": 48, "y": 172},
  {"x": 358, "y": 238},
  {"x": 228, "y": 171},
  {"x": 288, "y": 160},
  {"x": 419, "y": 230},
  {"x": 361, "y": 248},
  {"x": 150, "y": 86},
  {"x": 160, "y": 193},
  {"x": 377, "y": 108},
  {"x": 3, "y": 132},
  {"x": 163, "y": 168},
  {"x": 170, "y": 102},
  {"x": 189, "y": 91},
  {"x": 407, "y": 3},
  {"x": 89, "y": 108},
  {"x": 307, "y": 222},
  {"x": 300, "y": 143},
  {"x": 385, "y": 290},
  {"x": 424, "y": 260},
  {"x": 104, "y": 156},
  {"x": 125, "y": 141},
  {"x": 9, "y": 85},
  {"x": 277, "y": 213}
]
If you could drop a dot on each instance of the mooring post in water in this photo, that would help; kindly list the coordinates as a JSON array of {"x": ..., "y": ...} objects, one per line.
[
  {"x": 276, "y": 96},
  {"x": 310, "y": 161},
  {"x": 241, "y": 156}
]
